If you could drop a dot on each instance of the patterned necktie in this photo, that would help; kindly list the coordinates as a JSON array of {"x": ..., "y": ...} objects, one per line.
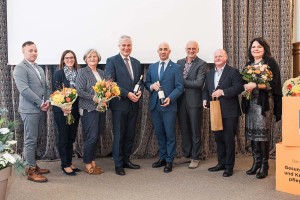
[
  {"x": 162, "y": 70},
  {"x": 186, "y": 69},
  {"x": 128, "y": 68}
]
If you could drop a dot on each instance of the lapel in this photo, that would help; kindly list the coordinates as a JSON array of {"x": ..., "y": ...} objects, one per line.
[
  {"x": 123, "y": 65},
  {"x": 223, "y": 76},
  {"x": 155, "y": 68},
  {"x": 193, "y": 66},
  {"x": 166, "y": 69},
  {"x": 91, "y": 74},
  {"x": 134, "y": 69},
  {"x": 35, "y": 72}
]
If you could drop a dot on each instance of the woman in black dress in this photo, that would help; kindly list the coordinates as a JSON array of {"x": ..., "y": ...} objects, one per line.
[{"x": 266, "y": 101}]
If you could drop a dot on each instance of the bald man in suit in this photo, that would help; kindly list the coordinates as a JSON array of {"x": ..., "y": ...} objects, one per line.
[{"x": 168, "y": 75}]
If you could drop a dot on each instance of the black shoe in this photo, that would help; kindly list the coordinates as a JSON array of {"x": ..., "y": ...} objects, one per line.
[
  {"x": 130, "y": 165},
  {"x": 68, "y": 173},
  {"x": 168, "y": 167},
  {"x": 120, "y": 171},
  {"x": 228, "y": 172},
  {"x": 77, "y": 170},
  {"x": 216, "y": 168},
  {"x": 159, "y": 163}
]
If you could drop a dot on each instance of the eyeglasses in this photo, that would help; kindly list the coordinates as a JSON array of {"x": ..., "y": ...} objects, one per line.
[{"x": 69, "y": 58}]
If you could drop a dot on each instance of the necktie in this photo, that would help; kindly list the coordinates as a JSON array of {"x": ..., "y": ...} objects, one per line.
[
  {"x": 162, "y": 70},
  {"x": 186, "y": 69},
  {"x": 128, "y": 68}
]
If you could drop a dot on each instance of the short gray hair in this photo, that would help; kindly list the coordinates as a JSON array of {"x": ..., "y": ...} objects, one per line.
[
  {"x": 124, "y": 37},
  {"x": 88, "y": 52}
]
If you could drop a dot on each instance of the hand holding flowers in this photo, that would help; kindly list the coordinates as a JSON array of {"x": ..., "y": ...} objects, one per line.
[
  {"x": 256, "y": 76},
  {"x": 104, "y": 92},
  {"x": 64, "y": 99}
]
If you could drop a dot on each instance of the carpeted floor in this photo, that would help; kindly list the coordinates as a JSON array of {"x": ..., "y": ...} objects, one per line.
[{"x": 149, "y": 184}]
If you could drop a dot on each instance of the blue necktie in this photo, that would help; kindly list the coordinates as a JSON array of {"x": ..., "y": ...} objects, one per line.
[{"x": 162, "y": 70}]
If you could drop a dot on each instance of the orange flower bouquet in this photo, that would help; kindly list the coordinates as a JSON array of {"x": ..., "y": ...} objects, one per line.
[
  {"x": 291, "y": 87},
  {"x": 64, "y": 99},
  {"x": 105, "y": 90},
  {"x": 259, "y": 74}
]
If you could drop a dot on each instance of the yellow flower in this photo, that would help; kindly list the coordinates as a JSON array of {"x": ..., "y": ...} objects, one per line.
[
  {"x": 58, "y": 98},
  {"x": 296, "y": 89}
]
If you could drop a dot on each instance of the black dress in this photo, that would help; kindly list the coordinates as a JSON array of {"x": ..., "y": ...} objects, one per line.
[{"x": 264, "y": 104}]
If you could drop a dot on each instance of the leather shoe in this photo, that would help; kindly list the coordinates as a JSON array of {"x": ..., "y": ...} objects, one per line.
[
  {"x": 120, "y": 171},
  {"x": 216, "y": 168},
  {"x": 130, "y": 165},
  {"x": 159, "y": 163},
  {"x": 168, "y": 167},
  {"x": 228, "y": 172}
]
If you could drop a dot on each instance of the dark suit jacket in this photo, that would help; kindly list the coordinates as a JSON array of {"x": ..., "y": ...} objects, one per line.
[
  {"x": 117, "y": 70},
  {"x": 194, "y": 82},
  {"x": 232, "y": 85},
  {"x": 59, "y": 79},
  {"x": 171, "y": 82}
]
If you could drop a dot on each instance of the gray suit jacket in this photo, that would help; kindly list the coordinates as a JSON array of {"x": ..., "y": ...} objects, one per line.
[
  {"x": 194, "y": 82},
  {"x": 84, "y": 82},
  {"x": 33, "y": 89}
]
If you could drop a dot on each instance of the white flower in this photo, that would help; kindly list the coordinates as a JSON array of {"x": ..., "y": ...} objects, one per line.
[
  {"x": 9, "y": 157},
  {"x": 11, "y": 142},
  {"x": 4, "y": 131}
]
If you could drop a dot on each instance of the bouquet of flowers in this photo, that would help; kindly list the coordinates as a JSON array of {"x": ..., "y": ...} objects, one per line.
[
  {"x": 259, "y": 74},
  {"x": 291, "y": 87},
  {"x": 64, "y": 99},
  {"x": 8, "y": 156},
  {"x": 105, "y": 90}
]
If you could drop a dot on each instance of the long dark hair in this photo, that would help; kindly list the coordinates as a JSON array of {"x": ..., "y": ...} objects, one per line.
[
  {"x": 264, "y": 44},
  {"x": 62, "y": 62}
]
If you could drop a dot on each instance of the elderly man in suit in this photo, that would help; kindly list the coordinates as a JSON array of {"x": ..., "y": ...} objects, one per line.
[
  {"x": 31, "y": 83},
  {"x": 225, "y": 83},
  {"x": 167, "y": 75},
  {"x": 190, "y": 103},
  {"x": 126, "y": 71}
]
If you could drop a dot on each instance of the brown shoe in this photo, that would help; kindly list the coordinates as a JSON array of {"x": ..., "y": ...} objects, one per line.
[
  {"x": 42, "y": 171},
  {"x": 93, "y": 171},
  {"x": 35, "y": 176}
]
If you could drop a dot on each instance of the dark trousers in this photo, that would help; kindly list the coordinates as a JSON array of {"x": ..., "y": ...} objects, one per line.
[
  {"x": 66, "y": 137},
  {"x": 93, "y": 124},
  {"x": 165, "y": 129},
  {"x": 124, "y": 123},
  {"x": 190, "y": 120},
  {"x": 226, "y": 142}
]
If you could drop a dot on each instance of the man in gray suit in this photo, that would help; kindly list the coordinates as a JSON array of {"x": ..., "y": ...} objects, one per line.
[
  {"x": 190, "y": 104},
  {"x": 31, "y": 83}
]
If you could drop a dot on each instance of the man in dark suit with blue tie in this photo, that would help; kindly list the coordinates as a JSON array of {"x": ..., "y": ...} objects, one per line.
[
  {"x": 126, "y": 71},
  {"x": 168, "y": 75},
  {"x": 225, "y": 83}
]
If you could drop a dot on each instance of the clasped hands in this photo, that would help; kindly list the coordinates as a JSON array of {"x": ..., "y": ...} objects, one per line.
[{"x": 45, "y": 106}]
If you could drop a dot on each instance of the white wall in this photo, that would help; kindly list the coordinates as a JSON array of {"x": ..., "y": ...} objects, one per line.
[{"x": 57, "y": 25}]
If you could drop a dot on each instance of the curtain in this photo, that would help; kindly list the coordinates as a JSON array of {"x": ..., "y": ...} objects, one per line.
[{"x": 242, "y": 21}]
